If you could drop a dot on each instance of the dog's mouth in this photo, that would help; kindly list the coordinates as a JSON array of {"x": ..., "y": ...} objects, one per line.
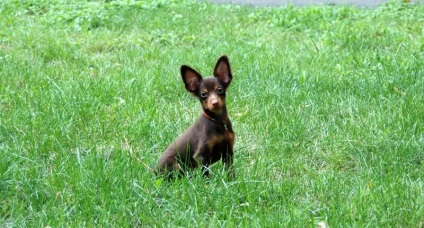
[
  {"x": 213, "y": 107},
  {"x": 213, "y": 103},
  {"x": 216, "y": 111}
]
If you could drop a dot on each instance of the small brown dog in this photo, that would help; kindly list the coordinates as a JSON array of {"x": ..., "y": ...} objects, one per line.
[{"x": 211, "y": 137}]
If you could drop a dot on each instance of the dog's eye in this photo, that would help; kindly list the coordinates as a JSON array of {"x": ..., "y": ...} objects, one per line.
[
  {"x": 220, "y": 90},
  {"x": 203, "y": 94}
]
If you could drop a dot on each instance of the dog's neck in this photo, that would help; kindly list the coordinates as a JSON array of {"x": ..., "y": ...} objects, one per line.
[{"x": 217, "y": 118}]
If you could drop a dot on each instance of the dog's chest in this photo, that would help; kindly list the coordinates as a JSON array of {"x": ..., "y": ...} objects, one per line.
[{"x": 220, "y": 143}]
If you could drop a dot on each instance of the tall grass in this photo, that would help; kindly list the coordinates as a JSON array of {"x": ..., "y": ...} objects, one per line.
[{"x": 327, "y": 105}]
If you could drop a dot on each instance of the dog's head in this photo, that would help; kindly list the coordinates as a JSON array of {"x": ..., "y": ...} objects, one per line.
[{"x": 211, "y": 91}]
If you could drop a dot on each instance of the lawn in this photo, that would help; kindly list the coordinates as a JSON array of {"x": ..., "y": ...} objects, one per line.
[{"x": 327, "y": 103}]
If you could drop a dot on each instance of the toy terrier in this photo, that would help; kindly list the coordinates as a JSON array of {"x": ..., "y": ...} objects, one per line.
[{"x": 211, "y": 137}]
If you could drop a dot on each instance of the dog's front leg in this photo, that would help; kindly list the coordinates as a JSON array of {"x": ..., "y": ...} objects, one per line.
[{"x": 203, "y": 158}]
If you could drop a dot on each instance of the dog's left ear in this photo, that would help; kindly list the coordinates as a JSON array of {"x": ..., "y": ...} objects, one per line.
[
  {"x": 191, "y": 78},
  {"x": 223, "y": 71}
]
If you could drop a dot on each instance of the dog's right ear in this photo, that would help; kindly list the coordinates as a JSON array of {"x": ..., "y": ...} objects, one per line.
[
  {"x": 191, "y": 78},
  {"x": 222, "y": 71}
]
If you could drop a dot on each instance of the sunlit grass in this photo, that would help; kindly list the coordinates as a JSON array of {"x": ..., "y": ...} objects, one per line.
[{"x": 326, "y": 102}]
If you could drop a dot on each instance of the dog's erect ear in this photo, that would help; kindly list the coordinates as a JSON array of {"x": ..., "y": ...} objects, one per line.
[
  {"x": 223, "y": 71},
  {"x": 191, "y": 78}
]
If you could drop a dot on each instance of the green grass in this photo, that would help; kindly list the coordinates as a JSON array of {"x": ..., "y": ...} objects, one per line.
[{"x": 327, "y": 104}]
